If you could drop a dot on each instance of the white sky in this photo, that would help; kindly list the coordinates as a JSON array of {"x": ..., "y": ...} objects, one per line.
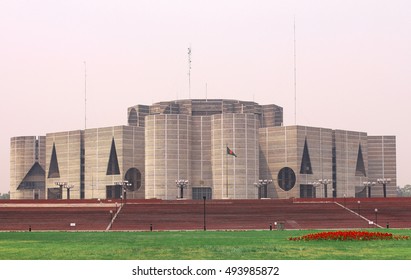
[{"x": 353, "y": 62}]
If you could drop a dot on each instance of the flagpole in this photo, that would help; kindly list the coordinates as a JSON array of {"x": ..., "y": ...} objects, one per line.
[{"x": 226, "y": 170}]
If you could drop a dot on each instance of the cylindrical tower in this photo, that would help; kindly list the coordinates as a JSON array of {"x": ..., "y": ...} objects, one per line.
[
  {"x": 234, "y": 176},
  {"x": 168, "y": 140}
]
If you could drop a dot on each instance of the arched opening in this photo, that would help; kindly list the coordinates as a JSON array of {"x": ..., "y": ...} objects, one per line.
[
  {"x": 132, "y": 117},
  {"x": 286, "y": 178},
  {"x": 133, "y": 176}
]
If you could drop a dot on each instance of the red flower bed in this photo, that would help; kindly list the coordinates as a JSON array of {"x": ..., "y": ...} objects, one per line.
[{"x": 349, "y": 235}]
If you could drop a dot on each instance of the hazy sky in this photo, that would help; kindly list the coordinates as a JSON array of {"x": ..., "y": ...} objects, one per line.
[{"x": 353, "y": 62}]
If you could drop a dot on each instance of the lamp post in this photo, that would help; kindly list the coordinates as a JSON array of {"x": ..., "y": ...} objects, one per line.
[
  {"x": 368, "y": 185},
  {"x": 181, "y": 185},
  {"x": 111, "y": 218},
  {"x": 315, "y": 185},
  {"x": 325, "y": 182},
  {"x": 384, "y": 182},
  {"x": 124, "y": 185},
  {"x": 68, "y": 187},
  {"x": 61, "y": 185},
  {"x": 359, "y": 207},
  {"x": 204, "y": 212},
  {"x": 262, "y": 187},
  {"x": 376, "y": 216}
]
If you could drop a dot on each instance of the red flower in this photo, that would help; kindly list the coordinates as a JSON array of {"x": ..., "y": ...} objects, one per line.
[{"x": 349, "y": 235}]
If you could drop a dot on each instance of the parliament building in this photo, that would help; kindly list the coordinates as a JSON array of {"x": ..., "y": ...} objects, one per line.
[{"x": 195, "y": 148}]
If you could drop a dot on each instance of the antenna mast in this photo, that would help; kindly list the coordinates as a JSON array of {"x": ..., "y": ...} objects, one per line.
[
  {"x": 189, "y": 72},
  {"x": 85, "y": 95},
  {"x": 295, "y": 78}
]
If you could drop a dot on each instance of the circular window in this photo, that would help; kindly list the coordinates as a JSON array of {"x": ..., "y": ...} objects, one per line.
[
  {"x": 133, "y": 176},
  {"x": 286, "y": 178}
]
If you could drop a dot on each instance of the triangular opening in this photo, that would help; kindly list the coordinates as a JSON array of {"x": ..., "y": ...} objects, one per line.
[
  {"x": 54, "y": 166},
  {"x": 305, "y": 161},
  {"x": 113, "y": 168},
  {"x": 34, "y": 178},
  {"x": 360, "y": 168}
]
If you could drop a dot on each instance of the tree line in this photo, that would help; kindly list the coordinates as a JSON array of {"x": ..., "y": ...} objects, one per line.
[{"x": 5, "y": 195}]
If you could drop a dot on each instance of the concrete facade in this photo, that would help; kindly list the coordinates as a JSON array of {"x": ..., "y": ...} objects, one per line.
[
  {"x": 63, "y": 163},
  {"x": 27, "y": 165},
  {"x": 168, "y": 139},
  {"x": 350, "y": 175},
  {"x": 188, "y": 140},
  {"x": 283, "y": 147},
  {"x": 112, "y": 155},
  {"x": 382, "y": 164},
  {"x": 91, "y": 162},
  {"x": 234, "y": 177},
  {"x": 201, "y": 155},
  {"x": 194, "y": 148},
  {"x": 346, "y": 159}
]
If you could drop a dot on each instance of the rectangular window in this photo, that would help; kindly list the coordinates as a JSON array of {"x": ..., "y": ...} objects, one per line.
[
  {"x": 36, "y": 153},
  {"x": 200, "y": 192},
  {"x": 307, "y": 191}
]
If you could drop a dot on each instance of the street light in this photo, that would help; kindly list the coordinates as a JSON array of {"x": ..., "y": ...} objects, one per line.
[
  {"x": 61, "y": 185},
  {"x": 384, "y": 182},
  {"x": 320, "y": 182},
  {"x": 315, "y": 185},
  {"x": 368, "y": 185},
  {"x": 325, "y": 182},
  {"x": 262, "y": 188},
  {"x": 124, "y": 185},
  {"x": 359, "y": 208},
  {"x": 376, "y": 216},
  {"x": 68, "y": 187},
  {"x": 181, "y": 185},
  {"x": 204, "y": 221},
  {"x": 111, "y": 220}
]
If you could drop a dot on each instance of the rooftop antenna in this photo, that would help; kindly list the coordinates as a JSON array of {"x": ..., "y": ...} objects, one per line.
[
  {"x": 189, "y": 72},
  {"x": 295, "y": 78},
  {"x": 85, "y": 95}
]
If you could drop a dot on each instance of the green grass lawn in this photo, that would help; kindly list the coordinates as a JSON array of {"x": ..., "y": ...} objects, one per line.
[{"x": 194, "y": 245}]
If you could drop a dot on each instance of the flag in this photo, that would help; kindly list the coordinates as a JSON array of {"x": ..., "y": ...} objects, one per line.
[{"x": 230, "y": 152}]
